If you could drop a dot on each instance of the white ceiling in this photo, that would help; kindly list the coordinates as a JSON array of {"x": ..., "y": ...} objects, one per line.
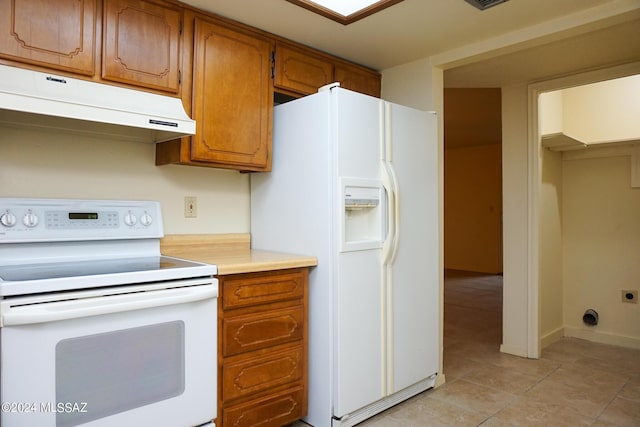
[{"x": 416, "y": 29}]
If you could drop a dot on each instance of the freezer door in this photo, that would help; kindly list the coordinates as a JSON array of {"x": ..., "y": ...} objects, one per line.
[
  {"x": 359, "y": 369},
  {"x": 358, "y": 342},
  {"x": 412, "y": 275}
]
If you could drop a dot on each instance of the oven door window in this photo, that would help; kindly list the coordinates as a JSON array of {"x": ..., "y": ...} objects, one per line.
[{"x": 118, "y": 371}]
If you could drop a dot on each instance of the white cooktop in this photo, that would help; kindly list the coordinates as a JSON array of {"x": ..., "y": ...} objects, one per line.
[{"x": 52, "y": 245}]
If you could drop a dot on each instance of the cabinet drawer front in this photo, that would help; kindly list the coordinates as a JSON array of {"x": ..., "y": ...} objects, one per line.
[
  {"x": 261, "y": 289},
  {"x": 271, "y": 411},
  {"x": 254, "y": 332},
  {"x": 249, "y": 376}
]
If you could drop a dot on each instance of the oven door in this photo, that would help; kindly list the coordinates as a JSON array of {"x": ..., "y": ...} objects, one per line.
[{"x": 135, "y": 356}]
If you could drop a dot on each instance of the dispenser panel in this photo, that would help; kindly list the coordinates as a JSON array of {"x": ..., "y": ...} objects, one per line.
[{"x": 362, "y": 214}]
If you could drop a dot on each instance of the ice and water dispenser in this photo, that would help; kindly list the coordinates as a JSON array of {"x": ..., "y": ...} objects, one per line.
[{"x": 362, "y": 214}]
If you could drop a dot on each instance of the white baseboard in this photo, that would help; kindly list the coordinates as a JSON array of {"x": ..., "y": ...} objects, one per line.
[
  {"x": 551, "y": 337},
  {"x": 602, "y": 337}
]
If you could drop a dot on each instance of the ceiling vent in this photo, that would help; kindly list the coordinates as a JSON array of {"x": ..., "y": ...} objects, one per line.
[{"x": 485, "y": 4}]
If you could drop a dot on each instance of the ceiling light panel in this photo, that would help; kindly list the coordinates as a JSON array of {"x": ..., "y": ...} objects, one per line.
[
  {"x": 345, "y": 8},
  {"x": 345, "y": 11}
]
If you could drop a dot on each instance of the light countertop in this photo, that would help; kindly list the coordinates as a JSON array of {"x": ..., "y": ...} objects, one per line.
[{"x": 231, "y": 253}]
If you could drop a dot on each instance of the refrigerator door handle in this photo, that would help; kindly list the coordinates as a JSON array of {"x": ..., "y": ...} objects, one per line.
[
  {"x": 390, "y": 246},
  {"x": 390, "y": 184}
]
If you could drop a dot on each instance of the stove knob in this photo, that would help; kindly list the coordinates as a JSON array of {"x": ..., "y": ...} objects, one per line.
[
  {"x": 8, "y": 219},
  {"x": 130, "y": 219},
  {"x": 146, "y": 219},
  {"x": 30, "y": 219}
]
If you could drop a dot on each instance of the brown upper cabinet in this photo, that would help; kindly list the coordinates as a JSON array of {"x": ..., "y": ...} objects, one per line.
[
  {"x": 231, "y": 101},
  {"x": 225, "y": 72},
  {"x": 302, "y": 71},
  {"x": 59, "y": 34},
  {"x": 141, "y": 44},
  {"x": 358, "y": 79}
]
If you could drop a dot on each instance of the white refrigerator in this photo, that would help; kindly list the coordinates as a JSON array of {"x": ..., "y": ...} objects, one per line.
[{"x": 355, "y": 183}]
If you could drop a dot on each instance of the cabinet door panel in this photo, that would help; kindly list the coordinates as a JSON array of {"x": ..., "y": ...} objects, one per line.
[
  {"x": 301, "y": 72},
  {"x": 56, "y": 34},
  {"x": 142, "y": 44},
  {"x": 358, "y": 80},
  {"x": 232, "y": 97}
]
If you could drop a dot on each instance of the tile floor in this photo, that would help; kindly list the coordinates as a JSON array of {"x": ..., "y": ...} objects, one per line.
[{"x": 574, "y": 383}]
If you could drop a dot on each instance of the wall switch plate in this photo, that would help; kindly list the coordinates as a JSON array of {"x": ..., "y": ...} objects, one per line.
[
  {"x": 190, "y": 207},
  {"x": 630, "y": 295}
]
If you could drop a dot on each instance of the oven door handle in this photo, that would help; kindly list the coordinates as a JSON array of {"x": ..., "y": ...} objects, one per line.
[{"x": 95, "y": 306}]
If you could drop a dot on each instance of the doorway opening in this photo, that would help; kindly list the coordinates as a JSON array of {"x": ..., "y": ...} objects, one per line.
[
  {"x": 588, "y": 207},
  {"x": 472, "y": 222}
]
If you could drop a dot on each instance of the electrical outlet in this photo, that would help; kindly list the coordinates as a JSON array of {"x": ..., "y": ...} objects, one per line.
[
  {"x": 630, "y": 295},
  {"x": 190, "y": 207}
]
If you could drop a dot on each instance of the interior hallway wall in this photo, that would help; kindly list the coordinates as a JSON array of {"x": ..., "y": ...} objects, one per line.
[
  {"x": 473, "y": 208},
  {"x": 473, "y": 179},
  {"x": 550, "y": 261}
]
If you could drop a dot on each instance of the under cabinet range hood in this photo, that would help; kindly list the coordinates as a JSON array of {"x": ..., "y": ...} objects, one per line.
[{"x": 58, "y": 103}]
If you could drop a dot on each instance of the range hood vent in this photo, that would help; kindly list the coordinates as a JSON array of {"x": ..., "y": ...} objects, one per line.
[
  {"x": 484, "y": 4},
  {"x": 55, "y": 103}
]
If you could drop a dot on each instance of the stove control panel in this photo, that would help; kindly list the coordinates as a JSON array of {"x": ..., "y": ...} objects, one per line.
[{"x": 34, "y": 220}]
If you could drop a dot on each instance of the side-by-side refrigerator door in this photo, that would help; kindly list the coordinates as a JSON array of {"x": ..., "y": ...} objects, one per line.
[
  {"x": 358, "y": 374},
  {"x": 411, "y": 161}
]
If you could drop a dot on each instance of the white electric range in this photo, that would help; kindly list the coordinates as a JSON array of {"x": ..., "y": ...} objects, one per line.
[{"x": 97, "y": 328}]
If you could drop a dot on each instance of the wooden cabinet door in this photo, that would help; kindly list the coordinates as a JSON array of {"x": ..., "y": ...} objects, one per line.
[
  {"x": 141, "y": 44},
  {"x": 232, "y": 98},
  {"x": 58, "y": 34},
  {"x": 358, "y": 79},
  {"x": 300, "y": 71}
]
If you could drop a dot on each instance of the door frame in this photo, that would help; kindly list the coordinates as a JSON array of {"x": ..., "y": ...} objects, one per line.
[{"x": 534, "y": 179}]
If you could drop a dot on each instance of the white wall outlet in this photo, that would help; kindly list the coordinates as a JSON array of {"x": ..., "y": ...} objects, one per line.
[
  {"x": 190, "y": 207},
  {"x": 630, "y": 295}
]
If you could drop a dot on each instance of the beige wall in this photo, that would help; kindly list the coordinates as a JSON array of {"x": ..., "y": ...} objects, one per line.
[
  {"x": 600, "y": 248},
  {"x": 551, "y": 261},
  {"x": 38, "y": 164},
  {"x": 600, "y": 112},
  {"x": 473, "y": 208},
  {"x": 613, "y": 117},
  {"x": 588, "y": 215},
  {"x": 515, "y": 226}
]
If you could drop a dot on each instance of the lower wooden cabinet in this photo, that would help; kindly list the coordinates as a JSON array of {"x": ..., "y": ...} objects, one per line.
[
  {"x": 262, "y": 346},
  {"x": 274, "y": 410}
]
